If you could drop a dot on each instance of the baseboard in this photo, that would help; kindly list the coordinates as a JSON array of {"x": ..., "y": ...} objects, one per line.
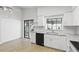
[{"x": 9, "y": 40}]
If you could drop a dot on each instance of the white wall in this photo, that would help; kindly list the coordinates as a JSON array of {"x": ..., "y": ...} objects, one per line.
[
  {"x": 10, "y": 25},
  {"x": 0, "y": 30},
  {"x": 52, "y": 10},
  {"x": 56, "y": 10},
  {"x": 70, "y": 29},
  {"x": 28, "y": 13},
  {"x": 77, "y": 30}
]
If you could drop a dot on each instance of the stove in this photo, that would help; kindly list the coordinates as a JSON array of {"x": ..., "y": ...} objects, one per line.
[{"x": 75, "y": 44}]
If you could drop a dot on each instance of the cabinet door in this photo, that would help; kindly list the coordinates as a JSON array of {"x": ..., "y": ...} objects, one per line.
[
  {"x": 68, "y": 19},
  {"x": 60, "y": 43},
  {"x": 54, "y": 41},
  {"x": 33, "y": 38},
  {"x": 50, "y": 41},
  {"x": 47, "y": 41},
  {"x": 76, "y": 16}
]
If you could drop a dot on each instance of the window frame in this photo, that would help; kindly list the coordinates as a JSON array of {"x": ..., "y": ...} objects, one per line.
[{"x": 61, "y": 28}]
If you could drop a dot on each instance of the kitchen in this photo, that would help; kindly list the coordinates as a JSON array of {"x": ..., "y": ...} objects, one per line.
[
  {"x": 53, "y": 27},
  {"x": 56, "y": 27}
]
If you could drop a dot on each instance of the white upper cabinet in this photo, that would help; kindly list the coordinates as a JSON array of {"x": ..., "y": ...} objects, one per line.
[
  {"x": 68, "y": 19},
  {"x": 71, "y": 18},
  {"x": 76, "y": 16}
]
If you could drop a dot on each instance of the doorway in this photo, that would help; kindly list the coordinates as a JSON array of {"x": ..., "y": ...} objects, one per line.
[{"x": 27, "y": 28}]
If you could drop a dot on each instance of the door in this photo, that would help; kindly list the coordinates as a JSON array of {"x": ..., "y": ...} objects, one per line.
[{"x": 27, "y": 28}]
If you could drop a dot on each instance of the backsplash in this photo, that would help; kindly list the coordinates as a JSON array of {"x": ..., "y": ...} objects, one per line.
[
  {"x": 74, "y": 30},
  {"x": 77, "y": 31},
  {"x": 70, "y": 29}
]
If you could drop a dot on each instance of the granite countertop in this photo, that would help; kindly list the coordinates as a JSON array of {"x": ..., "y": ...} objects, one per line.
[{"x": 72, "y": 37}]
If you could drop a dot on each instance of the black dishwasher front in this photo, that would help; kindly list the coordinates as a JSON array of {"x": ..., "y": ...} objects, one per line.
[{"x": 40, "y": 39}]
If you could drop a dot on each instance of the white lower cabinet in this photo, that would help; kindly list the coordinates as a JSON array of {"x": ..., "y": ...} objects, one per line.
[
  {"x": 33, "y": 37},
  {"x": 53, "y": 41}
]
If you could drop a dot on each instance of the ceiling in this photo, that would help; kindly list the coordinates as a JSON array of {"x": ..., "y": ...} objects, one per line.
[
  {"x": 29, "y": 6},
  {"x": 23, "y": 7}
]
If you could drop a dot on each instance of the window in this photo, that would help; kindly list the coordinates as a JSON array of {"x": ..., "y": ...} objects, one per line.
[{"x": 54, "y": 23}]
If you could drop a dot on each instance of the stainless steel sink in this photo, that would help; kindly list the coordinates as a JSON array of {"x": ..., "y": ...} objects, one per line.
[
  {"x": 61, "y": 35},
  {"x": 54, "y": 33}
]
